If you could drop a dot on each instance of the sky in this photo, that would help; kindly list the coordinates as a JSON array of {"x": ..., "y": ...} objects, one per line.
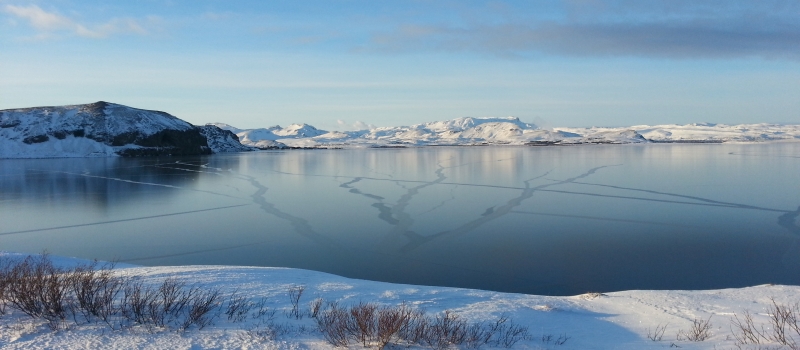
[{"x": 349, "y": 64}]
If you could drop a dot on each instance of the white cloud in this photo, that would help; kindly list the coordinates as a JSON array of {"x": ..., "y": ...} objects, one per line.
[
  {"x": 683, "y": 29},
  {"x": 357, "y": 126},
  {"x": 50, "y": 22},
  {"x": 41, "y": 19}
]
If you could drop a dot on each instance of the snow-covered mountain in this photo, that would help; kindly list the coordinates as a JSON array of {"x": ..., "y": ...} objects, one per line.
[
  {"x": 264, "y": 138},
  {"x": 105, "y": 129},
  {"x": 508, "y": 131},
  {"x": 460, "y": 131}
]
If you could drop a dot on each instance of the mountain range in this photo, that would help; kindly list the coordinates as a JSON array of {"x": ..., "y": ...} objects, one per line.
[{"x": 108, "y": 129}]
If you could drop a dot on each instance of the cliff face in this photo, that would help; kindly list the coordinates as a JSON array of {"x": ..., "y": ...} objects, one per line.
[{"x": 105, "y": 129}]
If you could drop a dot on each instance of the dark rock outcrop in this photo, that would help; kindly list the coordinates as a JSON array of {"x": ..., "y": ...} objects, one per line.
[{"x": 220, "y": 140}]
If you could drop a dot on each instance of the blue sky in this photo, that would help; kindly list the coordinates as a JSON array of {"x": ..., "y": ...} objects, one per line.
[{"x": 343, "y": 64}]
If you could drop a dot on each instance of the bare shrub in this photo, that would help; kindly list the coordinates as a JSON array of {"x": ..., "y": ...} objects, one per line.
[
  {"x": 238, "y": 308},
  {"x": 561, "y": 340},
  {"x": 294, "y": 297},
  {"x": 200, "y": 308},
  {"x": 136, "y": 301},
  {"x": 173, "y": 298},
  {"x": 95, "y": 292},
  {"x": 169, "y": 304},
  {"x": 37, "y": 288},
  {"x": 658, "y": 333},
  {"x": 379, "y": 326},
  {"x": 390, "y": 322},
  {"x": 700, "y": 331},
  {"x": 505, "y": 333},
  {"x": 446, "y": 329},
  {"x": 155, "y": 306},
  {"x": 333, "y": 324},
  {"x": 90, "y": 293},
  {"x": 784, "y": 320},
  {"x": 783, "y": 328},
  {"x": 315, "y": 307},
  {"x": 416, "y": 328},
  {"x": 744, "y": 330},
  {"x": 362, "y": 322},
  {"x": 3, "y": 283},
  {"x": 262, "y": 311}
]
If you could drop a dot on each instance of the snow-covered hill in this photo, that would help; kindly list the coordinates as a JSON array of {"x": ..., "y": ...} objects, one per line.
[{"x": 105, "y": 129}]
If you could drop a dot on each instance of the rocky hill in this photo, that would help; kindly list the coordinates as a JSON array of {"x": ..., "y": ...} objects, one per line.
[{"x": 105, "y": 129}]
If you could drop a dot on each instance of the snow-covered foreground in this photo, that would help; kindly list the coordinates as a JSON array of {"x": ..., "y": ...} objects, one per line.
[{"x": 620, "y": 320}]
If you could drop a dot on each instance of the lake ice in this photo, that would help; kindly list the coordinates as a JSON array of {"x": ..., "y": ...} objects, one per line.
[{"x": 541, "y": 220}]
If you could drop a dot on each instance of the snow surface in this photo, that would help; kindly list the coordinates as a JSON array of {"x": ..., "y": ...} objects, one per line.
[
  {"x": 619, "y": 320},
  {"x": 70, "y": 147}
]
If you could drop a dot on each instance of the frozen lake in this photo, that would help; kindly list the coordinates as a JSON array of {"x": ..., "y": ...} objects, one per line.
[{"x": 543, "y": 220}]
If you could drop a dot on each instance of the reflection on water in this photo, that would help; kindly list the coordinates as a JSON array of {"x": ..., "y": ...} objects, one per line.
[{"x": 551, "y": 220}]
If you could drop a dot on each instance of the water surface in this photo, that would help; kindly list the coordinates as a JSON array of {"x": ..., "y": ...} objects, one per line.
[{"x": 544, "y": 220}]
